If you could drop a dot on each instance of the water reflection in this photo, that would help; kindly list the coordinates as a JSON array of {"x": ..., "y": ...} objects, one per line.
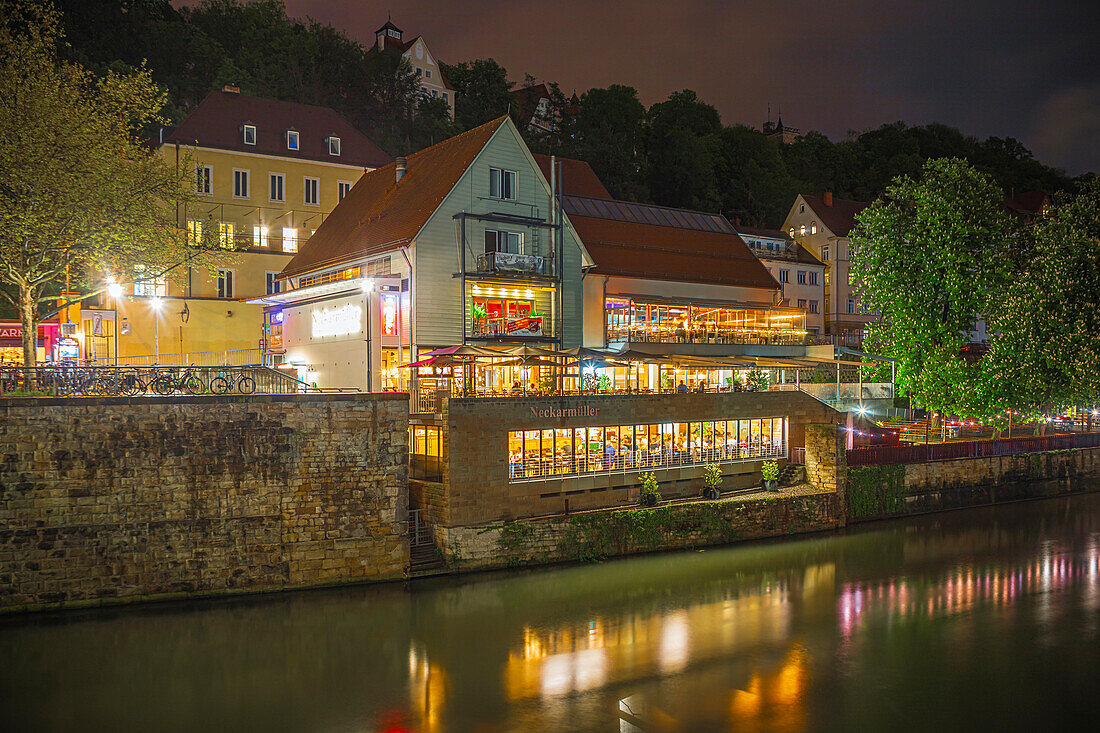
[{"x": 973, "y": 610}]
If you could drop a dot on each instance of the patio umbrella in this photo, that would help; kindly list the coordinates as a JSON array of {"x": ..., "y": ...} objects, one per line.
[
  {"x": 536, "y": 351},
  {"x": 526, "y": 361},
  {"x": 583, "y": 353},
  {"x": 441, "y": 360},
  {"x": 464, "y": 350},
  {"x": 598, "y": 363}
]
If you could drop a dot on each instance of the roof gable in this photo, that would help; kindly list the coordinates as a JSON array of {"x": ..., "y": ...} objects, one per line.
[
  {"x": 380, "y": 213},
  {"x": 839, "y": 217},
  {"x": 578, "y": 178},
  {"x": 218, "y": 120}
]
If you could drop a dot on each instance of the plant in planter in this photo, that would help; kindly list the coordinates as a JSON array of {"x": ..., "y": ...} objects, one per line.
[
  {"x": 757, "y": 379},
  {"x": 603, "y": 383},
  {"x": 480, "y": 314},
  {"x": 712, "y": 481},
  {"x": 770, "y": 473},
  {"x": 649, "y": 495}
]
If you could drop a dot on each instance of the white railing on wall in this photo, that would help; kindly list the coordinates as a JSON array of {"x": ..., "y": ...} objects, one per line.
[{"x": 230, "y": 357}]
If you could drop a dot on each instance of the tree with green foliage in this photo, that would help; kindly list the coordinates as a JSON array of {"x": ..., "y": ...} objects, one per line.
[
  {"x": 80, "y": 192},
  {"x": 682, "y": 141},
  {"x": 753, "y": 183},
  {"x": 1046, "y": 353},
  {"x": 610, "y": 130},
  {"x": 932, "y": 257},
  {"x": 482, "y": 91}
]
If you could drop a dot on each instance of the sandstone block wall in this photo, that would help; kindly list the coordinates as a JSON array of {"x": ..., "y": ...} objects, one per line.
[
  {"x": 107, "y": 500},
  {"x": 597, "y": 535}
]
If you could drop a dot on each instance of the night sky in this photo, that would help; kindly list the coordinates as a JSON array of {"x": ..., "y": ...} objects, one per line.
[{"x": 1029, "y": 70}]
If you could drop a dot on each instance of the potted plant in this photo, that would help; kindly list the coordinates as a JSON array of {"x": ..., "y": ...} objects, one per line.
[
  {"x": 712, "y": 481},
  {"x": 770, "y": 473},
  {"x": 649, "y": 495}
]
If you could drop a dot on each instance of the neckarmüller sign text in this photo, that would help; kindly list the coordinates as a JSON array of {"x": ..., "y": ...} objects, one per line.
[{"x": 582, "y": 411}]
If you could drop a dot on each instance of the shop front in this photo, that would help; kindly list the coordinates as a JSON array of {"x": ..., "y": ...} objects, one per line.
[
  {"x": 513, "y": 457},
  {"x": 11, "y": 342}
]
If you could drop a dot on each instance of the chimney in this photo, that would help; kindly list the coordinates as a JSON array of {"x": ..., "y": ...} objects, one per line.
[
  {"x": 399, "y": 166},
  {"x": 828, "y": 198},
  {"x": 231, "y": 89}
]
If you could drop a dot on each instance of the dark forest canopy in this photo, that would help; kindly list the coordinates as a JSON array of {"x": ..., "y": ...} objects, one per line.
[{"x": 676, "y": 153}]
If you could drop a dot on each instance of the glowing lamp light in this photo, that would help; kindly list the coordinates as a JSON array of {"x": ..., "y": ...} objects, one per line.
[
  {"x": 367, "y": 285},
  {"x": 114, "y": 289},
  {"x": 156, "y": 302}
]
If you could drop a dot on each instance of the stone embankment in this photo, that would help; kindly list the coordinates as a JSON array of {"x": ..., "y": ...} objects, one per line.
[{"x": 111, "y": 500}]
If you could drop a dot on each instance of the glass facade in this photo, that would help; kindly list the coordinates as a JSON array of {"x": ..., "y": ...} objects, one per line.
[
  {"x": 634, "y": 321},
  {"x": 570, "y": 451}
]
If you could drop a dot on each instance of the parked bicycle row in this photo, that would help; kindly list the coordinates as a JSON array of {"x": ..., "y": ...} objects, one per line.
[{"x": 126, "y": 381}]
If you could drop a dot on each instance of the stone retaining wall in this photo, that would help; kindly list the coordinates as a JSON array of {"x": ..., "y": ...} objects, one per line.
[
  {"x": 875, "y": 492},
  {"x": 600, "y": 534},
  {"x": 109, "y": 500}
]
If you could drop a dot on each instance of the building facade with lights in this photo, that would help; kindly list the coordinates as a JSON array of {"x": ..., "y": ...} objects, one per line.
[
  {"x": 266, "y": 173},
  {"x": 822, "y": 224},
  {"x": 459, "y": 243}
]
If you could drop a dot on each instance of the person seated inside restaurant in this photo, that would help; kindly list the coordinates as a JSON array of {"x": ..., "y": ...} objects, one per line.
[
  {"x": 702, "y": 386},
  {"x": 517, "y": 388},
  {"x": 682, "y": 388}
]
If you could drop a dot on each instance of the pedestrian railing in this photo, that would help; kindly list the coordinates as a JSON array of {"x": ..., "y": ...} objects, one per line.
[
  {"x": 888, "y": 455},
  {"x": 230, "y": 357},
  {"x": 132, "y": 381}
]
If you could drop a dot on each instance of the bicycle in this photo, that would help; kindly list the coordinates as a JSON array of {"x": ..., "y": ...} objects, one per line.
[
  {"x": 240, "y": 381},
  {"x": 166, "y": 383}
]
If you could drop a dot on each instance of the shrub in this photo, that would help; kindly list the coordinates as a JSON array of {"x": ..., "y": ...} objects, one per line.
[
  {"x": 649, "y": 495},
  {"x": 770, "y": 470}
]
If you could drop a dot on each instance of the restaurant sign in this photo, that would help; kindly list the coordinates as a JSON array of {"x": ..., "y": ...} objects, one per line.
[{"x": 581, "y": 411}]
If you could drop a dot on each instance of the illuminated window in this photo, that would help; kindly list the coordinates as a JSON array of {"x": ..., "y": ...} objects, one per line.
[
  {"x": 259, "y": 236},
  {"x": 813, "y": 227},
  {"x": 791, "y": 231},
  {"x": 194, "y": 231},
  {"x": 249, "y": 134},
  {"x": 146, "y": 285},
  {"x": 227, "y": 234},
  {"x": 276, "y": 187},
  {"x": 334, "y": 146},
  {"x": 535, "y": 454},
  {"x": 291, "y": 139},
  {"x": 311, "y": 188},
  {"x": 802, "y": 230},
  {"x": 204, "y": 180},
  {"x": 502, "y": 184},
  {"x": 290, "y": 239}
]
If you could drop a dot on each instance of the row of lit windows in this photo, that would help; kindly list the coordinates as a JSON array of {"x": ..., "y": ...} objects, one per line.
[
  {"x": 570, "y": 451},
  {"x": 803, "y": 231},
  {"x": 227, "y": 235},
  {"x": 292, "y": 138},
  {"x": 276, "y": 189}
]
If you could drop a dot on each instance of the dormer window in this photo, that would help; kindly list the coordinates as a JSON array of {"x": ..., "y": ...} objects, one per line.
[
  {"x": 333, "y": 145},
  {"x": 394, "y": 33},
  {"x": 291, "y": 139},
  {"x": 249, "y": 134}
]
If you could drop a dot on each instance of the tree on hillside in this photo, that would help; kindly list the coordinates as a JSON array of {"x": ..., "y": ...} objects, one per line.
[
  {"x": 610, "y": 130},
  {"x": 561, "y": 138},
  {"x": 79, "y": 191},
  {"x": 933, "y": 257},
  {"x": 483, "y": 91},
  {"x": 752, "y": 177},
  {"x": 682, "y": 137},
  {"x": 1047, "y": 349}
]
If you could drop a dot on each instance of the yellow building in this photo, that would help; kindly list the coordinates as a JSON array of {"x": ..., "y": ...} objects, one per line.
[
  {"x": 389, "y": 39},
  {"x": 267, "y": 174}
]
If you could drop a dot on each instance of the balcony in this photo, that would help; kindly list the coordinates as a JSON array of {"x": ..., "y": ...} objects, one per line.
[{"x": 510, "y": 263}]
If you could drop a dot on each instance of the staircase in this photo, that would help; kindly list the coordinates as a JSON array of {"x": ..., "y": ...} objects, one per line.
[
  {"x": 791, "y": 474},
  {"x": 424, "y": 556}
]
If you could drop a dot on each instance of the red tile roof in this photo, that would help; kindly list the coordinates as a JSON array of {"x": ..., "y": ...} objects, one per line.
[
  {"x": 840, "y": 218},
  {"x": 218, "y": 120},
  {"x": 380, "y": 214},
  {"x": 635, "y": 249},
  {"x": 578, "y": 178},
  {"x": 1028, "y": 203}
]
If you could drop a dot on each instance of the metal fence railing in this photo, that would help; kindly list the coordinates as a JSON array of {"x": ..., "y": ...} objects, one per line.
[
  {"x": 230, "y": 357},
  {"x": 886, "y": 455},
  {"x": 133, "y": 381}
]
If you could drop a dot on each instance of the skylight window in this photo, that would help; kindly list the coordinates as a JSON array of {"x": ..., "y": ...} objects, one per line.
[
  {"x": 291, "y": 139},
  {"x": 249, "y": 134},
  {"x": 334, "y": 145}
]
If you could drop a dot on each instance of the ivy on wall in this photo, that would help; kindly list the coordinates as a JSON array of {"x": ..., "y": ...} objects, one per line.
[{"x": 875, "y": 491}]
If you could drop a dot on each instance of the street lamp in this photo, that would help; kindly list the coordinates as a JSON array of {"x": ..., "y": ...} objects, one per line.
[
  {"x": 114, "y": 290},
  {"x": 157, "y": 302}
]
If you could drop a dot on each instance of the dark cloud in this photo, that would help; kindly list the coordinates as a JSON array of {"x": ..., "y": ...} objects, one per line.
[{"x": 1010, "y": 68}]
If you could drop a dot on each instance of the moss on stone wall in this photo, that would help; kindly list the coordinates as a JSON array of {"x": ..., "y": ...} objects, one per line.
[{"x": 875, "y": 491}]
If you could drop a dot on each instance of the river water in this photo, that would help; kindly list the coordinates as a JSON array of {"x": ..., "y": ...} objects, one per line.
[{"x": 985, "y": 619}]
